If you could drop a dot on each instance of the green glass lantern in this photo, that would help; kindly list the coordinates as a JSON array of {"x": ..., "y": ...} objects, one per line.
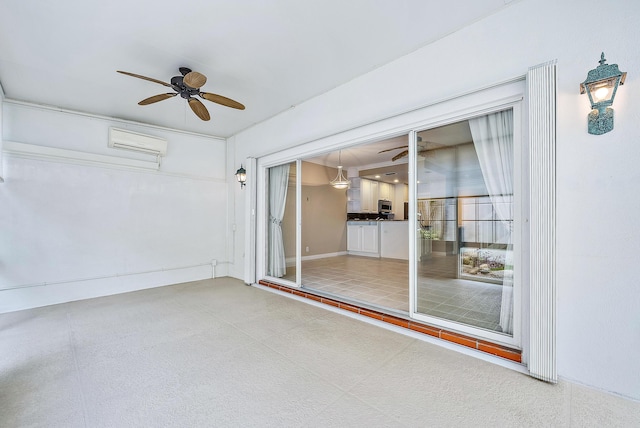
[
  {"x": 601, "y": 85},
  {"x": 241, "y": 176}
]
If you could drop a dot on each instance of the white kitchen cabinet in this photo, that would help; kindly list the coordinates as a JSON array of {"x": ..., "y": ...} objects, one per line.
[
  {"x": 386, "y": 191},
  {"x": 365, "y": 199},
  {"x": 370, "y": 241},
  {"x": 354, "y": 238},
  {"x": 363, "y": 239},
  {"x": 400, "y": 196},
  {"x": 364, "y": 194},
  {"x": 368, "y": 196},
  {"x": 373, "y": 197}
]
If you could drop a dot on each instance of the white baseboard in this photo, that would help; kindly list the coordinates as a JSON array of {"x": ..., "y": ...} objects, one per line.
[
  {"x": 364, "y": 254},
  {"x": 292, "y": 261},
  {"x": 16, "y": 299}
]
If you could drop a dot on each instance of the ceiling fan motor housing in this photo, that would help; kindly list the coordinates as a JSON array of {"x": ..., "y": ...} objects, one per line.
[{"x": 180, "y": 87}]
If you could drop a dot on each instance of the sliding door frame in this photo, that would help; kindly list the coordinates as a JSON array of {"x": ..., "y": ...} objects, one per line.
[
  {"x": 299, "y": 222},
  {"x": 483, "y": 101},
  {"x": 262, "y": 229},
  {"x": 520, "y": 186}
]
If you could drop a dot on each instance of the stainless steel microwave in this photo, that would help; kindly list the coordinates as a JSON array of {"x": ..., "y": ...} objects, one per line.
[{"x": 384, "y": 206}]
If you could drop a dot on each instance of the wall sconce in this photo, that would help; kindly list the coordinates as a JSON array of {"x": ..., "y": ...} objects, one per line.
[
  {"x": 601, "y": 86},
  {"x": 340, "y": 182},
  {"x": 241, "y": 175}
]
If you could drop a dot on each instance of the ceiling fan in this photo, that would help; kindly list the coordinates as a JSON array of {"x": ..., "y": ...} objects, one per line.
[
  {"x": 187, "y": 86},
  {"x": 399, "y": 155},
  {"x": 423, "y": 149}
]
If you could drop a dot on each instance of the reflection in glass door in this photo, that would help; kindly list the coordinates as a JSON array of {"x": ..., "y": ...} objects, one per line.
[{"x": 465, "y": 224}]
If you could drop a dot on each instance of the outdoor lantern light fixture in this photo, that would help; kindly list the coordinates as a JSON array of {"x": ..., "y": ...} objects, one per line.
[
  {"x": 601, "y": 85},
  {"x": 241, "y": 175},
  {"x": 340, "y": 182}
]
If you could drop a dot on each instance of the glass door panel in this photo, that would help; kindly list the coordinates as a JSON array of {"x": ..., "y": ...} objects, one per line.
[
  {"x": 464, "y": 203},
  {"x": 282, "y": 222}
]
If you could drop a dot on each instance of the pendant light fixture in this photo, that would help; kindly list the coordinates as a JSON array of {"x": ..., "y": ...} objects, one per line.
[{"x": 340, "y": 182}]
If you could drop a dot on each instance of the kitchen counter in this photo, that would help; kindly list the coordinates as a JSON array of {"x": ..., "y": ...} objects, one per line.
[
  {"x": 374, "y": 221},
  {"x": 361, "y": 222}
]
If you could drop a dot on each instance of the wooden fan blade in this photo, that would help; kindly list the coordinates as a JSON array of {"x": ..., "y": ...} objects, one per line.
[
  {"x": 199, "y": 109},
  {"x": 221, "y": 100},
  {"x": 194, "y": 79},
  {"x": 156, "y": 98},
  {"x": 395, "y": 148},
  {"x": 400, "y": 155},
  {"x": 426, "y": 153},
  {"x": 145, "y": 78}
]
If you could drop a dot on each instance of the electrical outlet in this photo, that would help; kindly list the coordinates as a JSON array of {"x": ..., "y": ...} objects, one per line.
[{"x": 307, "y": 249}]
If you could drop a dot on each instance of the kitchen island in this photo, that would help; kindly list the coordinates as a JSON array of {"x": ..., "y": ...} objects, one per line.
[{"x": 394, "y": 239}]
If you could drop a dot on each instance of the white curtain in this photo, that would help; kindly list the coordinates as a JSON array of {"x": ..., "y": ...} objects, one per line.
[
  {"x": 278, "y": 185},
  {"x": 493, "y": 141}
]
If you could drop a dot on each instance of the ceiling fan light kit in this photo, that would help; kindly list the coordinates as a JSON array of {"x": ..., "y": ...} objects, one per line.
[{"x": 188, "y": 87}]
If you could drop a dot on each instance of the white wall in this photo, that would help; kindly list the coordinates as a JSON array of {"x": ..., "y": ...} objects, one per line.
[
  {"x": 71, "y": 230},
  {"x": 598, "y": 327},
  {"x": 1, "y": 163}
]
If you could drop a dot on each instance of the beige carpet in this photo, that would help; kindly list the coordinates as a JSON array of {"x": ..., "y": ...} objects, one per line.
[{"x": 217, "y": 353}]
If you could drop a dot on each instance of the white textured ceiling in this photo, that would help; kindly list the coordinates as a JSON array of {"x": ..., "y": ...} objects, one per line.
[{"x": 267, "y": 54}]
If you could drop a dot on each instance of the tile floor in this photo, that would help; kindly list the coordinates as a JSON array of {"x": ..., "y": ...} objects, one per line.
[
  {"x": 385, "y": 283},
  {"x": 219, "y": 353},
  {"x": 381, "y": 282}
]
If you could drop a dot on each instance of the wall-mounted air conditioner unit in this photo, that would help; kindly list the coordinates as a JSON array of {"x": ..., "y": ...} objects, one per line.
[{"x": 136, "y": 142}]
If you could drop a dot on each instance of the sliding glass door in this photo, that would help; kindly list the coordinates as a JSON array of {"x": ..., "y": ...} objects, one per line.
[
  {"x": 282, "y": 255},
  {"x": 466, "y": 246},
  {"x": 464, "y": 228}
]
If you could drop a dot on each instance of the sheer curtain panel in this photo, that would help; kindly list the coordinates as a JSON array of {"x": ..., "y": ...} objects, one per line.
[
  {"x": 493, "y": 140},
  {"x": 278, "y": 186}
]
